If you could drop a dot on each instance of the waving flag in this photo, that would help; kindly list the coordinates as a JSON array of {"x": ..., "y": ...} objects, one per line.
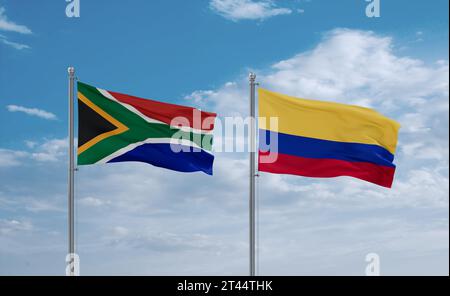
[
  {"x": 114, "y": 127},
  {"x": 325, "y": 139}
]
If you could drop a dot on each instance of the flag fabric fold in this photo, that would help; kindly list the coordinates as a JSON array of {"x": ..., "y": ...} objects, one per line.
[
  {"x": 114, "y": 127},
  {"x": 325, "y": 139}
]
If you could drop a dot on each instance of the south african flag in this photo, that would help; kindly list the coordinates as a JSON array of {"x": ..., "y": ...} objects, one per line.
[{"x": 114, "y": 127}]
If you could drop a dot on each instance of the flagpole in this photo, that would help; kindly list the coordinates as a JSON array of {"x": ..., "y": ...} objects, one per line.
[
  {"x": 71, "y": 201},
  {"x": 252, "y": 207}
]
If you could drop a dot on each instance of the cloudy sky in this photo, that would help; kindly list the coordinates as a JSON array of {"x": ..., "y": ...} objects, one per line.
[{"x": 133, "y": 218}]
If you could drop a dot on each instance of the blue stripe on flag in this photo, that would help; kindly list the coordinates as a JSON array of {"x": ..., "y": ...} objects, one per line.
[
  {"x": 162, "y": 155},
  {"x": 318, "y": 148}
]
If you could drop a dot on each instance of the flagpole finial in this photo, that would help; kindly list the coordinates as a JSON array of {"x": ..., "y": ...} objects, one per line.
[
  {"x": 251, "y": 77},
  {"x": 71, "y": 70}
]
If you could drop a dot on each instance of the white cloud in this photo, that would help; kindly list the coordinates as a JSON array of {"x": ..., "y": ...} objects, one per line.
[
  {"x": 8, "y": 25},
  {"x": 12, "y": 226},
  {"x": 367, "y": 69},
  {"x": 414, "y": 123},
  {"x": 15, "y": 45},
  {"x": 42, "y": 205},
  {"x": 32, "y": 111},
  {"x": 119, "y": 232},
  {"x": 419, "y": 36},
  {"x": 432, "y": 150},
  {"x": 50, "y": 150},
  {"x": 30, "y": 144},
  {"x": 90, "y": 201},
  {"x": 230, "y": 98},
  {"x": 236, "y": 10},
  {"x": 10, "y": 158},
  {"x": 160, "y": 241}
]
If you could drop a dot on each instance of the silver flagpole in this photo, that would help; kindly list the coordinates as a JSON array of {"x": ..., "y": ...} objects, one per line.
[
  {"x": 252, "y": 135},
  {"x": 71, "y": 202}
]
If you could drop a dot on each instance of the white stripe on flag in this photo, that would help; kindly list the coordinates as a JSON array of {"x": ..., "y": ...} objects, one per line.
[
  {"x": 187, "y": 129},
  {"x": 130, "y": 147}
]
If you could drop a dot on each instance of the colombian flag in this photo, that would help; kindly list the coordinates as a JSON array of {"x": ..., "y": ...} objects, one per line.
[{"x": 325, "y": 139}]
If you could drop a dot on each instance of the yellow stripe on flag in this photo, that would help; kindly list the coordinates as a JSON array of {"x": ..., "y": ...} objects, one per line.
[{"x": 327, "y": 120}]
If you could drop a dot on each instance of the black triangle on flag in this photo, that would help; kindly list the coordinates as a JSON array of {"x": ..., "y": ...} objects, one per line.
[{"x": 91, "y": 124}]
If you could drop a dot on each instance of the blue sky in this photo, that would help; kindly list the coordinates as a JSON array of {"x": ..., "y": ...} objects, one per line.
[{"x": 198, "y": 53}]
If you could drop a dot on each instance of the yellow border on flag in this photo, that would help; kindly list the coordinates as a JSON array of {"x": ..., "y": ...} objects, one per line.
[{"x": 121, "y": 128}]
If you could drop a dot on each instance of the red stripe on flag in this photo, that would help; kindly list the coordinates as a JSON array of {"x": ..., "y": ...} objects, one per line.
[
  {"x": 327, "y": 168},
  {"x": 165, "y": 112}
]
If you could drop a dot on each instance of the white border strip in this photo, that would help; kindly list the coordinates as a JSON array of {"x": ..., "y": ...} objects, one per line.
[
  {"x": 187, "y": 129},
  {"x": 130, "y": 147}
]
